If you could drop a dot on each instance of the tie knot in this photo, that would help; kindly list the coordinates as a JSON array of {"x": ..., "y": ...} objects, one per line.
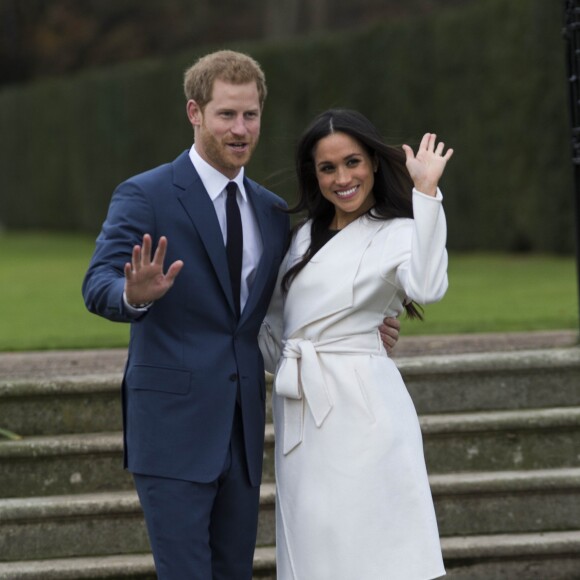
[{"x": 232, "y": 189}]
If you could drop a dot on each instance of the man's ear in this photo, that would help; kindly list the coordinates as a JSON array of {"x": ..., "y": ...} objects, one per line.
[{"x": 194, "y": 113}]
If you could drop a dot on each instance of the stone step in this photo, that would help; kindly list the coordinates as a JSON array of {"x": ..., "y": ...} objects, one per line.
[
  {"x": 540, "y": 556},
  {"x": 488, "y": 441},
  {"x": 61, "y": 404},
  {"x": 76, "y": 463},
  {"x": 40, "y": 404},
  {"x": 112, "y": 523},
  {"x": 493, "y": 381},
  {"x": 130, "y": 566},
  {"x": 507, "y": 502},
  {"x": 90, "y": 525},
  {"x": 96, "y": 361},
  {"x": 63, "y": 464},
  {"x": 502, "y": 440},
  {"x": 67, "y": 404}
]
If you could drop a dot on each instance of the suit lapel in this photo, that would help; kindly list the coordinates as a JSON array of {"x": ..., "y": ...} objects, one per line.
[
  {"x": 200, "y": 209},
  {"x": 263, "y": 218}
]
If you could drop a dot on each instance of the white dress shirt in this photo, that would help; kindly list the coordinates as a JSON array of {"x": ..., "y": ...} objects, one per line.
[{"x": 215, "y": 185}]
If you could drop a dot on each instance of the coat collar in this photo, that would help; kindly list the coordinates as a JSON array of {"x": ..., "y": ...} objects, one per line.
[{"x": 310, "y": 296}]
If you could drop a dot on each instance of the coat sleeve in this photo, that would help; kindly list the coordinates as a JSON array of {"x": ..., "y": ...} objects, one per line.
[
  {"x": 423, "y": 273},
  {"x": 130, "y": 216}
]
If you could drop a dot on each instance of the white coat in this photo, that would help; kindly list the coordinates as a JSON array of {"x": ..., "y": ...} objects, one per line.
[{"x": 353, "y": 498}]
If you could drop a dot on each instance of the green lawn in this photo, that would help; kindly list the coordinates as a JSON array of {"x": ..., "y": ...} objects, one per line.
[
  {"x": 41, "y": 305},
  {"x": 504, "y": 293}
]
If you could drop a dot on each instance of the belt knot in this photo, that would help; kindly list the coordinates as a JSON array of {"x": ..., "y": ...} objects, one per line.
[{"x": 300, "y": 379}]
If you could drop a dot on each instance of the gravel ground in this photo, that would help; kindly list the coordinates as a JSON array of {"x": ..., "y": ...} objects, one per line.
[{"x": 79, "y": 362}]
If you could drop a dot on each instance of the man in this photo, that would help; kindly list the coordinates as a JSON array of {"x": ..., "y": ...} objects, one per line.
[{"x": 193, "y": 388}]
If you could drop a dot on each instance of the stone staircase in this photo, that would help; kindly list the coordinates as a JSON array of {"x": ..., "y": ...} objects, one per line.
[{"x": 502, "y": 441}]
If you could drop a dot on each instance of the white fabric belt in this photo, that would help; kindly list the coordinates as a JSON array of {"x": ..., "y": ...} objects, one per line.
[{"x": 308, "y": 384}]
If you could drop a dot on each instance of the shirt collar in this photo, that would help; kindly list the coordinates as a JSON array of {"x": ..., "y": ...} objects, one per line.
[{"x": 214, "y": 181}]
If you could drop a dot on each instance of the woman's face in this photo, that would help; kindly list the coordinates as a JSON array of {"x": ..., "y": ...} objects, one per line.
[{"x": 345, "y": 173}]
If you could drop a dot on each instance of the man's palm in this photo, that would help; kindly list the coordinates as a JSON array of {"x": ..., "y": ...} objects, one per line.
[{"x": 144, "y": 278}]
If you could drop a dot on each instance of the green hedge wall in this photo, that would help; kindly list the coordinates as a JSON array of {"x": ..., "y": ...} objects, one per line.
[{"x": 489, "y": 78}]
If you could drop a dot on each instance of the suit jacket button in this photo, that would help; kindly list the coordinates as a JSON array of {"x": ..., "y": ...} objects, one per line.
[{"x": 233, "y": 377}]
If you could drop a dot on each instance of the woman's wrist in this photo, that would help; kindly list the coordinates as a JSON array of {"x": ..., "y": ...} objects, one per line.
[{"x": 427, "y": 188}]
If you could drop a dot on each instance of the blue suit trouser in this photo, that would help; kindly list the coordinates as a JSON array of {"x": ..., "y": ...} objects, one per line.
[{"x": 203, "y": 531}]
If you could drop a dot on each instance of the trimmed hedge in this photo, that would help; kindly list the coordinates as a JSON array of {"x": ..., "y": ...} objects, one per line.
[{"x": 489, "y": 78}]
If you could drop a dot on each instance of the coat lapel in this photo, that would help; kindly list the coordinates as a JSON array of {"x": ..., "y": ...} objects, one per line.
[
  {"x": 326, "y": 284},
  {"x": 200, "y": 209}
]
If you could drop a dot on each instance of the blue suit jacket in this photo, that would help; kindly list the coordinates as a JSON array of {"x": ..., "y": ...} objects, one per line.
[{"x": 188, "y": 351}]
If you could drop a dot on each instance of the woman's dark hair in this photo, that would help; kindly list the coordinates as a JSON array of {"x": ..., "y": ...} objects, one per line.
[{"x": 392, "y": 182}]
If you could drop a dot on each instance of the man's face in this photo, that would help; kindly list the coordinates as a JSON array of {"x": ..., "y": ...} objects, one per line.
[{"x": 228, "y": 129}]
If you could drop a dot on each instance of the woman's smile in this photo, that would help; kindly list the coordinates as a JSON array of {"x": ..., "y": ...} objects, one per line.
[{"x": 345, "y": 194}]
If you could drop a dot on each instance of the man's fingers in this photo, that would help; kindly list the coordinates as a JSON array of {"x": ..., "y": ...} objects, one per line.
[
  {"x": 173, "y": 271},
  {"x": 388, "y": 340},
  {"x": 136, "y": 258},
  {"x": 389, "y": 331},
  {"x": 160, "y": 252},
  {"x": 146, "y": 250},
  {"x": 392, "y": 322}
]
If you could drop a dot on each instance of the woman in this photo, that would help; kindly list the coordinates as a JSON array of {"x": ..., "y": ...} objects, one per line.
[{"x": 353, "y": 498}]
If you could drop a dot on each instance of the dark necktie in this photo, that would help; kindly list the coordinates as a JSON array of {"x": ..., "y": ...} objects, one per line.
[{"x": 234, "y": 243}]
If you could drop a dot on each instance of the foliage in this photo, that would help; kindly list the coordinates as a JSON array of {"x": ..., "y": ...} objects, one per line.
[
  {"x": 9, "y": 435},
  {"x": 487, "y": 77},
  {"x": 41, "y": 38}
]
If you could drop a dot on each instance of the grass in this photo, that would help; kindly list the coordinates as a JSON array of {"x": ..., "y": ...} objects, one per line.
[
  {"x": 41, "y": 305},
  {"x": 505, "y": 293}
]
